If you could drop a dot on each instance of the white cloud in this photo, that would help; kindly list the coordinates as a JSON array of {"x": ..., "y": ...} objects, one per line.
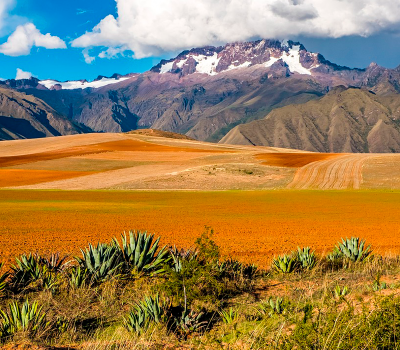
[
  {"x": 5, "y": 5},
  {"x": 154, "y": 26},
  {"x": 22, "y": 74},
  {"x": 25, "y": 37},
  {"x": 88, "y": 59}
]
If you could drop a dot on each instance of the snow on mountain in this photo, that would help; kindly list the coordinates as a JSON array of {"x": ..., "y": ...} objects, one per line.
[
  {"x": 81, "y": 84},
  {"x": 214, "y": 60}
]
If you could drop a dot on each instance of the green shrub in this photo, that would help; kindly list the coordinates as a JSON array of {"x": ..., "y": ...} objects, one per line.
[{"x": 208, "y": 250}]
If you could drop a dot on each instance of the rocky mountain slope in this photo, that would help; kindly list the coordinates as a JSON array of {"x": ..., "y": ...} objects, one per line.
[
  {"x": 345, "y": 120},
  {"x": 23, "y": 116},
  {"x": 205, "y": 92},
  {"x": 202, "y": 92}
]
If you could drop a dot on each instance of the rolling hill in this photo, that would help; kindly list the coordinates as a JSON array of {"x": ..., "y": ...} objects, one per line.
[{"x": 344, "y": 120}]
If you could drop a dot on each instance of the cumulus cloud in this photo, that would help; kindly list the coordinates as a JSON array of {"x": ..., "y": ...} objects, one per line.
[
  {"x": 25, "y": 37},
  {"x": 22, "y": 74},
  {"x": 154, "y": 26}
]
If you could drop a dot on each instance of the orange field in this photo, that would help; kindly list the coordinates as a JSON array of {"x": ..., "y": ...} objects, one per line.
[
  {"x": 249, "y": 225},
  {"x": 20, "y": 177},
  {"x": 293, "y": 160}
]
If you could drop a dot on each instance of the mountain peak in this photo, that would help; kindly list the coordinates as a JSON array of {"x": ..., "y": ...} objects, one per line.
[{"x": 212, "y": 60}]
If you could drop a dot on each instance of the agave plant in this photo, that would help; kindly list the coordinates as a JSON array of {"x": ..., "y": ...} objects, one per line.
[
  {"x": 178, "y": 256},
  {"x": 271, "y": 306},
  {"x": 229, "y": 316},
  {"x": 54, "y": 262},
  {"x": 101, "y": 262},
  {"x": 140, "y": 252},
  {"x": 284, "y": 263},
  {"x": 26, "y": 270},
  {"x": 306, "y": 258},
  {"x": 339, "y": 293},
  {"x": 149, "y": 310},
  {"x": 353, "y": 249},
  {"x": 3, "y": 281},
  {"x": 78, "y": 277},
  {"x": 136, "y": 321},
  {"x": 335, "y": 256},
  {"x": 153, "y": 307},
  {"x": 28, "y": 317},
  {"x": 189, "y": 322}
]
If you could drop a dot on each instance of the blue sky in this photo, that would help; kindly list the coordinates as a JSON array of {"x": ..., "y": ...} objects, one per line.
[{"x": 140, "y": 32}]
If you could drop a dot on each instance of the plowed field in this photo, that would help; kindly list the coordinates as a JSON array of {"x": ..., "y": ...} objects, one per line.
[{"x": 249, "y": 225}]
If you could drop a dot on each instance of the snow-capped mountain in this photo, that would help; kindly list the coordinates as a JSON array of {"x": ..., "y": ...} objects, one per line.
[
  {"x": 83, "y": 84},
  {"x": 263, "y": 53}
]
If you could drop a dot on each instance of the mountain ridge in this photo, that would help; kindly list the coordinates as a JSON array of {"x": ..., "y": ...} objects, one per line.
[
  {"x": 346, "y": 120},
  {"x": 205, "y": 92}
]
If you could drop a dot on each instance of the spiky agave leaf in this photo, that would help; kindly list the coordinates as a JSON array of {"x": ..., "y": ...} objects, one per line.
[
  {"x": 101, "y": 262},
  {"x": 306, "y": 258},
  {"x": 136, "y": 321},
  {"x": 353, "y": 249},
  {"x": 139, "y": 253},
  {"x": 3, "y": 281},
  {"x": 180, "y": 255},
  {"x": 26, "y": 270},
  {"x": 54, "y": 262},
  {"x": 28, "y": 317},
  {"x": 78, "y": 277},
  {"x": 284, "y": 263}
]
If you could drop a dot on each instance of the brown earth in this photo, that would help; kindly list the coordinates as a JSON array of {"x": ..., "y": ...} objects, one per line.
[
  {"x": 293, "y": 160},
  {"x": 20, "y": 177},
  {"x": 135, "y": 161},
  {"x": 249, "y": 225}
]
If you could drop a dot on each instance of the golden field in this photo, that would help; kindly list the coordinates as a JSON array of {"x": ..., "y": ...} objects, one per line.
[{"x": 250, "y": 225}]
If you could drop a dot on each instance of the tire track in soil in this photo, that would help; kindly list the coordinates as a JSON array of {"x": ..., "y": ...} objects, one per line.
[{"x": 341, "y": 172}]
